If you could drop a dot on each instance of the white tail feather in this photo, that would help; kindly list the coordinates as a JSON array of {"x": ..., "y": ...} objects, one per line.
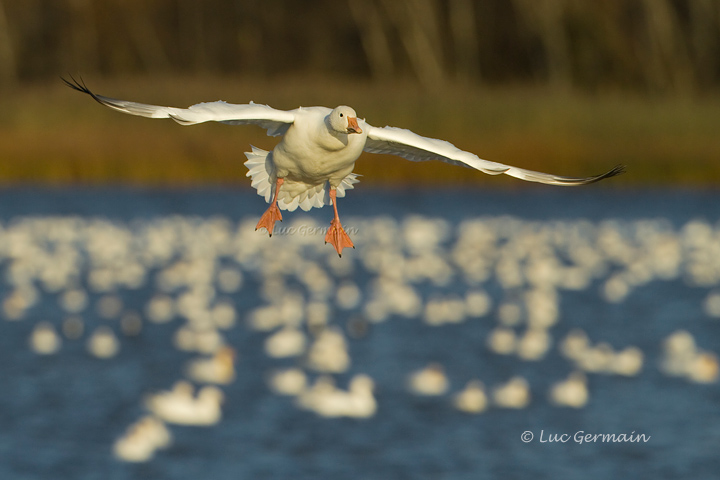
[{"x": 262, "y": 172}]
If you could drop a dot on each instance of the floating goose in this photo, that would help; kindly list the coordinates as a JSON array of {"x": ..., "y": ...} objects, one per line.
[
  {"x": 142, "y": 439},
  {"x": 429, "y": 381},
  {"x": 218, "y": 369},
  {"x": 103, "y": 343},
  {"x": 513, "y": 394},
  {"x": 44, "y": 339},
  {"x": 326, "y": 400},
  {"x": 288, "y": 382},
  {"x": 180, "y": 407},
  {"x": 472, "y": 399},
  {"x": 313, "y": 163},
  {"x": 572, "y": 392}
]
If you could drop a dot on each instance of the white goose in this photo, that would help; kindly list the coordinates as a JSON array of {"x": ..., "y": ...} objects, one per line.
[
  {"x": 181, "y": 407},
  {"x": 313, "y": 163}
]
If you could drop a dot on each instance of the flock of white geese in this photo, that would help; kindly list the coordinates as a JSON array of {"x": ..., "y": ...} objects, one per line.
[{"x": 193, "y": 266}]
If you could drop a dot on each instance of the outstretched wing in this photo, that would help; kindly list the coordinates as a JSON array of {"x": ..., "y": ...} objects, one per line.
[
  {"x": 276, "y": 122},
  {"x": 411, "y": 146}
]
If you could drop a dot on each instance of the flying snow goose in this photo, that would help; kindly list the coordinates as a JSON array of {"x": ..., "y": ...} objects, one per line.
[{"x": 313, "y": 162}]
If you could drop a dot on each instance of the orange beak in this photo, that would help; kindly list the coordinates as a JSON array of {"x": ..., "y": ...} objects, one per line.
[{"x": 353, "y": 125}]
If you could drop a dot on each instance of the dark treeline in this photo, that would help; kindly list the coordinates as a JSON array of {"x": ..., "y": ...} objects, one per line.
[{"x": 649, "y": 45}]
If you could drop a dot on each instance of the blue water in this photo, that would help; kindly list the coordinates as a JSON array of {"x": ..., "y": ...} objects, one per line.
[{"x": 60, "y": 414}]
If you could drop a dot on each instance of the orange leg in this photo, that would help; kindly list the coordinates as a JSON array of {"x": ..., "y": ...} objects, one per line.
[
  {"x": 272, "y": 214},
  {"x": 336, "y": 236}
]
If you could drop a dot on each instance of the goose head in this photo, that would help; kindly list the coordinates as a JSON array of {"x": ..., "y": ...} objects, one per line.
[{"x": 343, "y": 119}]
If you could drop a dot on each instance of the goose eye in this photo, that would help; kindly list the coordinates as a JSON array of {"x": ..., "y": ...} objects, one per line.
[{"x": 341, "y": 115}]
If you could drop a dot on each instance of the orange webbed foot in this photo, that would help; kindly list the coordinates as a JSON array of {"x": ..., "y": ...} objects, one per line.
[
  {"x": 267, "y": 221},
  {"x": 337, "y": 237}
]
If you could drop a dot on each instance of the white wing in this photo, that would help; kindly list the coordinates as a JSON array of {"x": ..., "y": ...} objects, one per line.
[
  {"x": 411, "y": 146},
  {"x": 276, "y": 122}
]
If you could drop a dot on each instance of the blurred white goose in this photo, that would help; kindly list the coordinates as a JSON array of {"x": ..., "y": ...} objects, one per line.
[
  {"x": 179, "y": 406},
  {"x": 472, "y": 399},
  {"x": 219, "y": 369},
  {"x": 142, "y": 439},
  {"x": 326, "y": 400},
  {"x": 313, "y": 163},
  {"x": 572, "y": 392},
  {"x": 429, "y": 381},
  {"x": 513, "y": 394}
]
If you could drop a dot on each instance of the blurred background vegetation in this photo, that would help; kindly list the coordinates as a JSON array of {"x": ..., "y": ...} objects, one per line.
[{"x": 567, "y": 86}]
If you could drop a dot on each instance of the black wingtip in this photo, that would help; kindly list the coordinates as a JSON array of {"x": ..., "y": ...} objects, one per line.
[
  {"x": 80, "y": 86},
  {"x": 616, "y": 170},
  {"x": 76, "y": 85}
]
